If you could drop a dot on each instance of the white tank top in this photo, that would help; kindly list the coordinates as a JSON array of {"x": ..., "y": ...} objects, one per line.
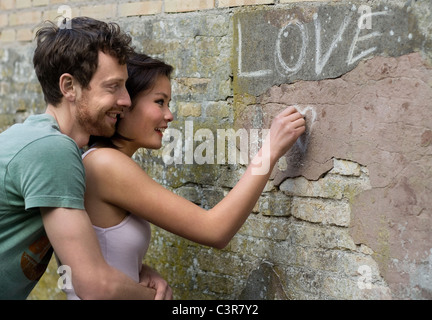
[{"x": 123, "y": 245}]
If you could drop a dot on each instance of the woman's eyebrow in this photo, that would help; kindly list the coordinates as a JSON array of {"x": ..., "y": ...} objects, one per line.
[{"x": 162, "y": 94}]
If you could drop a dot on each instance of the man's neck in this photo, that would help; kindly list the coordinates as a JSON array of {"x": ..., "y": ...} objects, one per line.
[{"x": 67, "y": 123}]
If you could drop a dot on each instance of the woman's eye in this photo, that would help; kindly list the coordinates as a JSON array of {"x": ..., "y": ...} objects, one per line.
[{"x": 160, "y": 102}]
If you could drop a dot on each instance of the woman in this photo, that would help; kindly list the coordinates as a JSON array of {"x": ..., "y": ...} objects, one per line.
[{"x": 119, "y": 192}]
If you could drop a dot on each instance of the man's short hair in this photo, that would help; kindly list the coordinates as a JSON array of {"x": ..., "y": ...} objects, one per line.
[{"x": 75, "y": 50}]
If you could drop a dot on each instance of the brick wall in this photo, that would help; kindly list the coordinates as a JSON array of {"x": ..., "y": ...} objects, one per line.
[
  {"x": 335, "y": 217},
  {"x": 18, "y": 18}
]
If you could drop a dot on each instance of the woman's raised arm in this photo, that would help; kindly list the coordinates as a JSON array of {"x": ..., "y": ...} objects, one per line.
[{"x": 114, "y": 178}]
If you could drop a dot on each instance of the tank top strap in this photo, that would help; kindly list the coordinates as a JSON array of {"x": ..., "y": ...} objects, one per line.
[{"x": 87, "y": 152}]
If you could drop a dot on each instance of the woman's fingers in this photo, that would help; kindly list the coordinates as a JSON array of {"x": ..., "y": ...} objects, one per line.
[
  {"x": 288, "y": 111},
  {"x": 291, "y": 115},
  {"x": 300, "y": 122},
  {"x": 286, "y": 127}
]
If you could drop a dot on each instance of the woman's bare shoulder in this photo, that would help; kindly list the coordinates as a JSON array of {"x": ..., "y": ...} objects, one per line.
[
  {"x": 105, "y": 155},
  {"x": 105, "y": 160}
]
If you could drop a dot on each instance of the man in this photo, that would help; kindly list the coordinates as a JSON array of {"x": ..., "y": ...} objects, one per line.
[{"x": 82, "y": 71}]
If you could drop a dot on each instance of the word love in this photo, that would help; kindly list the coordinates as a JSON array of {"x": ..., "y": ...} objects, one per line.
[
  {"x": 281, "y": 46},
  {"x": 297, "y": 30}
]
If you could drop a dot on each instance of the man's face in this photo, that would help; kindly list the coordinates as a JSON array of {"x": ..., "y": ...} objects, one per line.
[{"x": 99, "y": 105}]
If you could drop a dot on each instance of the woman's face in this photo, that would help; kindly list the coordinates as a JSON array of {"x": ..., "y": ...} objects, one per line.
[{"x": 146, "y": 120}]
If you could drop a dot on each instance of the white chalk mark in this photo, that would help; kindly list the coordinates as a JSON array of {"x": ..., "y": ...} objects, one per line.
[
  {"x": 321, "y": 56},
  {"x": 258, "y": 73},
  {"x": 304, "y": 110},
  {"x": 303, "y": 141},
  {"x": 365, "y": 20},
  {"x": 301, "y": 58},
  {"x": 350, "y": 58},
  {"x": 320, "y": 63}
]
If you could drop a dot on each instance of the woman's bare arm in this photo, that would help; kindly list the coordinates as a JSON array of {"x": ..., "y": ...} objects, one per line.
[{"x": 115, "y": 178}]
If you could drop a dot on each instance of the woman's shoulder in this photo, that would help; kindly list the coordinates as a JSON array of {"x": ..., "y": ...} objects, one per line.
[
  {"x": 104, "y": 154},
  {"x": 103, "y": 159}
]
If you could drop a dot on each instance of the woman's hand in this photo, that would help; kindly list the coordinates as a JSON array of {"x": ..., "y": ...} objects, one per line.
[{"x": 285, "y": 129}]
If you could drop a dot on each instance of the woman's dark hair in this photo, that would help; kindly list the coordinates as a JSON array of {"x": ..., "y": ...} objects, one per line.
[
  {"x": 75, "y": 50},
  {"x": 143, "y": 72}
]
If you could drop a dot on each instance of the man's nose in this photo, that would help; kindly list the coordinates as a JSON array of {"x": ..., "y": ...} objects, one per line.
[{"x": 124, "y": 99}]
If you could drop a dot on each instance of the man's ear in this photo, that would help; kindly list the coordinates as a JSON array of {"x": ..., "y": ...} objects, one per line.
[{"x": 67, "y": 85}]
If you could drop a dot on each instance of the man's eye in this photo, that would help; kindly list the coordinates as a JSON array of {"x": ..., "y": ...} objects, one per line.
[{"x": 113, "y": 87}]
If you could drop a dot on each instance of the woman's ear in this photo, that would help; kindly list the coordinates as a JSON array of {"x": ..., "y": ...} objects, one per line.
[{"x": 67, "y": 87}]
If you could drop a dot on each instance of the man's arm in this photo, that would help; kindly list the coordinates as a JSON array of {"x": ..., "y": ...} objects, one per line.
[{"x": 76, "y": 245}]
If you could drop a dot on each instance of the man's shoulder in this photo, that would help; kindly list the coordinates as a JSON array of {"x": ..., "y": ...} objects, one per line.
[
  {"x": 37, "y": 130},
  {"x": 49, "y": 145},
  {"x": 52, "y": 150}
]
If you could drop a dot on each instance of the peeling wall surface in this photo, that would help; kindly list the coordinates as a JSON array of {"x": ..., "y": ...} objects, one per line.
[
  {"x": 347, "y": 213},
  {"x": 374, "y": 112}
]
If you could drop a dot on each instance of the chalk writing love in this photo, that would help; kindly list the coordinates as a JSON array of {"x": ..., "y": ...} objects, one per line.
[{"x": 325, "y": 42}]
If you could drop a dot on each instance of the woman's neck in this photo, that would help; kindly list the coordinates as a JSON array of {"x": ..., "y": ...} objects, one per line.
[{"x": 127, "y": 147}]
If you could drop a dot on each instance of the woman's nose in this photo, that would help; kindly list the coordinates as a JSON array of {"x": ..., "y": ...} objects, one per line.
[{"x": 169, "y": 116}]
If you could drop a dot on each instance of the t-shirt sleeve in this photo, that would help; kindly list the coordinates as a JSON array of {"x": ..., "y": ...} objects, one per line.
[{"x": 51, "y": 173}]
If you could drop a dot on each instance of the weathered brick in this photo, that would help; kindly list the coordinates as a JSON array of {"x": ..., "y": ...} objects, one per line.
[
  {"x": 7, "y": 4},
  {"x": 291, "y": 1},
  {"x": 189, "y": 193},
  {"x": 218, "y": 110},
  {"x": 236, "y": 3},
  {"x": 139, "y": 8},
  {"x": 191, "y": 86},
  {"x": 37, "y": 3},
  {"x": 55, "y": 15},
  {"x": 215, "y": 283},
  {"x": 24, "y": 34},
  {"x": 275, "y": 204},
  {"x": 189, "y": 109},
  {"x": 314, "y": 235},
  {"x": 191, "y": 5},
  {"x": 25, "y": 17},
  {"x": 99, "y": 11},
  {"x": 264, "y": 227},
  {"x": 254, "y": 247},
  {"x": 6, "y": 120},
  {"x": 3, "y": 20},
  {"x": 23, "y": 3},
  {"x": 348, "y": 288},
  {"x": 328, "y": 187},
  {"x": 327, "y": 212},
  {"x": 345, "y": 168},
  {"x": 7, "y": 35},
  {"x": 331, "y": 186}
]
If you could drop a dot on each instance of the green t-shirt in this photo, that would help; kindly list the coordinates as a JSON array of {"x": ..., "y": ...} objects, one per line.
[{"x": 39, "y": 167}]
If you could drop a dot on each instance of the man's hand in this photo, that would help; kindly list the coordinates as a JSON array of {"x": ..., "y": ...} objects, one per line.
[
  {"x": 76, "y": 245},
  {"x": 151, "y": 279}
]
